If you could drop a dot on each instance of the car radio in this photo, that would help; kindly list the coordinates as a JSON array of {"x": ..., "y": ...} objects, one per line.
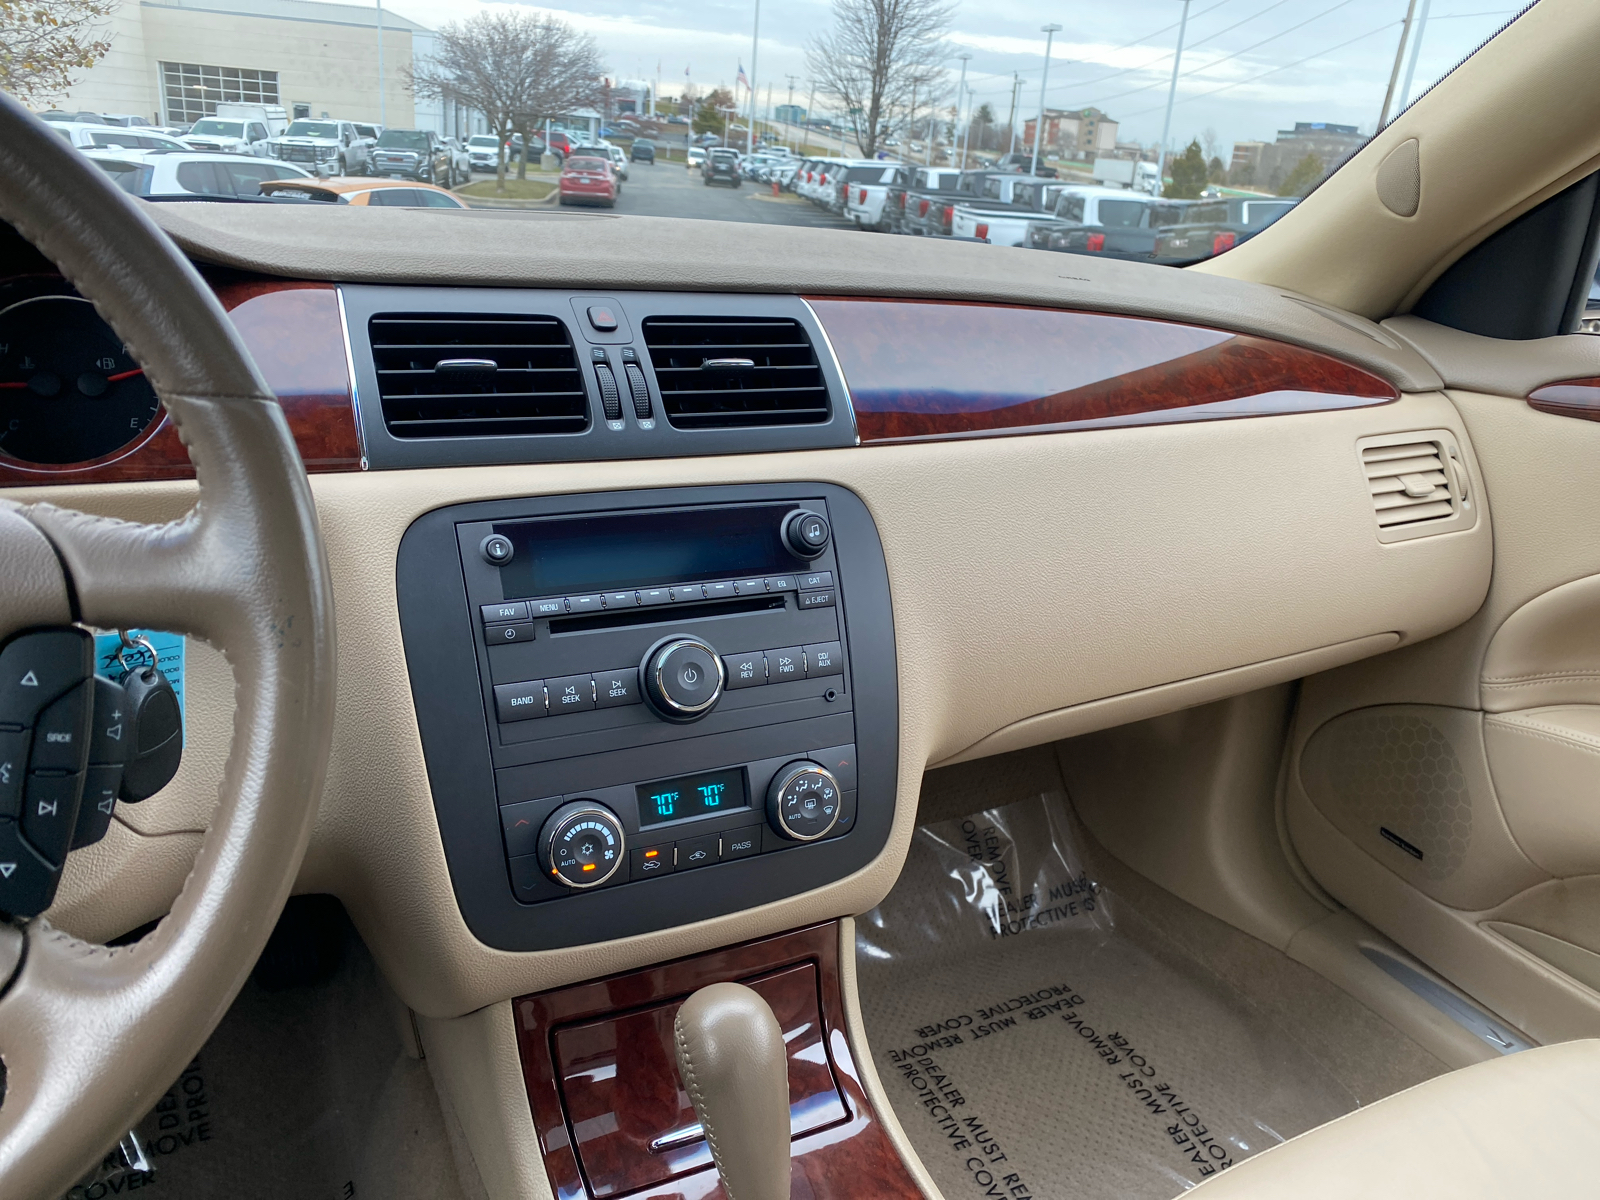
[{"x": 643, "y": 709}]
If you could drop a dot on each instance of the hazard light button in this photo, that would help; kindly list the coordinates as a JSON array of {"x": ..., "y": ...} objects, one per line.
[{"x": 37, "y": 668}]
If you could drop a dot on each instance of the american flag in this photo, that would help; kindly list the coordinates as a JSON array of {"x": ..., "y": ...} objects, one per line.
[{"x": 744, "y": 80}]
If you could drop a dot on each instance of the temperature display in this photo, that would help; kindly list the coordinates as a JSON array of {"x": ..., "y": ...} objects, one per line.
[{"x": 702, "y": 795}]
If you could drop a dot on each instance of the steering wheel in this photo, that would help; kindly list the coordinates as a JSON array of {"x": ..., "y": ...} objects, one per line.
[{"x": 92, "y": 1036}]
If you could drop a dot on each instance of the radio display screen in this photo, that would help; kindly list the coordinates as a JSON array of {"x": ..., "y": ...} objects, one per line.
[
  {"x": 702, "y": 795},
  {"x": 570, "y": 555}
]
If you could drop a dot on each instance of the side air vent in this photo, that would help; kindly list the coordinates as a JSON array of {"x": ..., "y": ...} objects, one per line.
[
  {"x": 443, "y": 375},
  {"x": 1418, "y": 483},
  {"x": 736, "y": 372}
]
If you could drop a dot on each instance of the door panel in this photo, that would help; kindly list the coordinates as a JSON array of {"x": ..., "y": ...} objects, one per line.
[{"x": 1480, "y": 748}]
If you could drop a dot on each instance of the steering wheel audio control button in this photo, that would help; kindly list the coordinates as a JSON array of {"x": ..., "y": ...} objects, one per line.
[
  {"x": 582, "y": 844},
  {"x": 803, "y": 801},
  {"x": 27, "y": 882},
  {"x": 683, "y": 678},
  {"x": 36, "y": 668}
]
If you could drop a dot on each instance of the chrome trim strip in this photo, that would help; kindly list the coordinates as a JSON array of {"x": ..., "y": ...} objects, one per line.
[
  {"x": 350, "y": 370},
  {"x": 849, "y": 404},
  {"x": 678, "y": 1137}
]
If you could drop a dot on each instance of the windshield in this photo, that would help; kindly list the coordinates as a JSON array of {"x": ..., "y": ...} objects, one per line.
[
  {"x": 403, "y": 139},
  {"x": 587, "y": 164},
  {"x": 1233, "y": 110},
  {"x": 211, "y": 127}
]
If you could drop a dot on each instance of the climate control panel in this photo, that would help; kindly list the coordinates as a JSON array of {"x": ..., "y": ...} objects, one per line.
[{"x": 644, "y": 709}]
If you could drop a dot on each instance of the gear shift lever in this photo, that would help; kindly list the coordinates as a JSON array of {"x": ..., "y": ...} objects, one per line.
[{"x": 734, "y": 1067}]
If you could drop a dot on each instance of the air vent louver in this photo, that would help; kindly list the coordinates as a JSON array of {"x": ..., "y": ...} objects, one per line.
[
  {"x": 476, "y": 375},
  {"x": 1418, "y": 485},
  {"x": 736, "y": 372}
]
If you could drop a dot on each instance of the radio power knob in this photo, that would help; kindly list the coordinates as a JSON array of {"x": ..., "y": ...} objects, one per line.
[
  {"x": 582, "y": 844},
  {"x": 683, "y": 679},
  {"x": 803, "y": 801}
]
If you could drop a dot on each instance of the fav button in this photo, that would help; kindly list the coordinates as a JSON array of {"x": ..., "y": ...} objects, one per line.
[
  {"x": 519, "y": 701},
  {"x": 613, "y": 689},
  {"x": 784, "y": 665},
  {"x": 746, "y": 670},
  {"x": 824, "y": 658},
  {"x": 509, "y": 610},
  {"x": 698, "y": 852},
  {"x": 499, "y": 635},
  {"x": 570, "y": 693}
]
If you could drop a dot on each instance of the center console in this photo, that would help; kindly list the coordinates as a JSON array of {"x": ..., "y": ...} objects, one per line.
[{"x": 643, "y": 709}]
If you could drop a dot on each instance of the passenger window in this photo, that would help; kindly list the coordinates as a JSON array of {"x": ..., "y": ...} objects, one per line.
[
  {"x": 394, "y": 197},
  {"x": 202, "y": 179},
  {"x": 247, "y": 177},
  {"x": 435, "y": 200},
  {"x": 256, "y": 133},
  {"x": 1121, "y": 214},
  {"x": 1070, "y": 208}
]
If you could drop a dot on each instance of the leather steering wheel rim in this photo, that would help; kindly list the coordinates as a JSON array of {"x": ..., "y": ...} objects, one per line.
[{"x": 91, "y": 1036}]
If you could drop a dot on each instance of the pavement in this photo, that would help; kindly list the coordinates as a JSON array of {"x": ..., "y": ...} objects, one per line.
[{"x": 669, "y": 190}]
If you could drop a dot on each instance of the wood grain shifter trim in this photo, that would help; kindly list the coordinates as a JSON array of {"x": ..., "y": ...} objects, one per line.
[{"x": 924, "y": 369}]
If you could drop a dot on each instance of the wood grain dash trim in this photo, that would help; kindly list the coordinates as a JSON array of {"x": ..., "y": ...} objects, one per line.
[
  {"x": 1578, "y": 398},
  {"x": 930, "y": 369}
]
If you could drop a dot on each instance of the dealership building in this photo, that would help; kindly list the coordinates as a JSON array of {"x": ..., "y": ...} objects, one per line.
[{"x": 172, "y": 61}]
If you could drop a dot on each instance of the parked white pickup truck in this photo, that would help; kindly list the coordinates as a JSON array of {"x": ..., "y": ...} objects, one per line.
[
  {"x": 1002, "y": 212},
  {"x": 867, "y": 188}
]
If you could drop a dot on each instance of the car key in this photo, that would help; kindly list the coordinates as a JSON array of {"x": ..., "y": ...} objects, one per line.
[{"x": 155, "y": 747}]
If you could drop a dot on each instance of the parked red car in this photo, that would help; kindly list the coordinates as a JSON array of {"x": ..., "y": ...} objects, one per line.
[{"x": 586, "y": 180}]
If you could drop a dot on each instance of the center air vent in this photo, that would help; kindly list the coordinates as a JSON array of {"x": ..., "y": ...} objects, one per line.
[
  {"x": 736, "y": 372},
  {"x": 1418, "y": 484},
  {"x": 477, "y": 375}
]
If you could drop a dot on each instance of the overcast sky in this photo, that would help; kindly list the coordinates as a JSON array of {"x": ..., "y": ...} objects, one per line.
[{"x": 1250, "y": 67}]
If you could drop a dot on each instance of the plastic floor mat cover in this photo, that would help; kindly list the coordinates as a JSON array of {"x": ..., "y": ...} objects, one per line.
[{"x": 1040, "y": 1039}]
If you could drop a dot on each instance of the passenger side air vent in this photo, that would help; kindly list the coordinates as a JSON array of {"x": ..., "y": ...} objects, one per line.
[
  {"x": 443, "y": 375},
  {"x": 1418, "y": 483},
  {"x": 736, "y": 372}
]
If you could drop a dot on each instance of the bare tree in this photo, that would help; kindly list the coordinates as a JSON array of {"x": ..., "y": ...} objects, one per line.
[
  {"x": 45, "y": 43},
  {"x": 877, "y": 53},
  {"x": 516, "y": 69}
]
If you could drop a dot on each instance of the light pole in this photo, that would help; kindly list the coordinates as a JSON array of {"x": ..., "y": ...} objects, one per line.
[
  {"x": 789, "y": 123},
  {"x": 1416, "y": 49},
  {"x": 961, "y": 90},
  {"x": 1011, "y": 119},
  {"x": 805, "y": 125},
  {"x": 383, "y": 118},
  {"x": 1172, "y": 94},
  {"x": 1049, "y": 32},
  {"x": 755, "y": 48},
  {"x": 727, "y": 120}
]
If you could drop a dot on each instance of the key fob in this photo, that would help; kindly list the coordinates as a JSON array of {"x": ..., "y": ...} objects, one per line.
[{"x": 156, "y": 747}]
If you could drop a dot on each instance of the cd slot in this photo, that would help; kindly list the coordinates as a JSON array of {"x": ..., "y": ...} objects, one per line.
[{"x": 666, "y": 613}]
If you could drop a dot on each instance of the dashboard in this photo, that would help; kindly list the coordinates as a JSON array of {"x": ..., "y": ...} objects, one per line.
[{"x": 1010, "y": 482}]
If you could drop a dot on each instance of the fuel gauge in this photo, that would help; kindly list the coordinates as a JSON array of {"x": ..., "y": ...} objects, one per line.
[{"x": 69, "y": 391}]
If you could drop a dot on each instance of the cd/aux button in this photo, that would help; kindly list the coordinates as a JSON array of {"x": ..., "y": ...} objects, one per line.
[{"x": 824, "y": 658}]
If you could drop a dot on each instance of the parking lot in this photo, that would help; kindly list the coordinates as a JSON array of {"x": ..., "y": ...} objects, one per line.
[{"x": 669, "y": 190}]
